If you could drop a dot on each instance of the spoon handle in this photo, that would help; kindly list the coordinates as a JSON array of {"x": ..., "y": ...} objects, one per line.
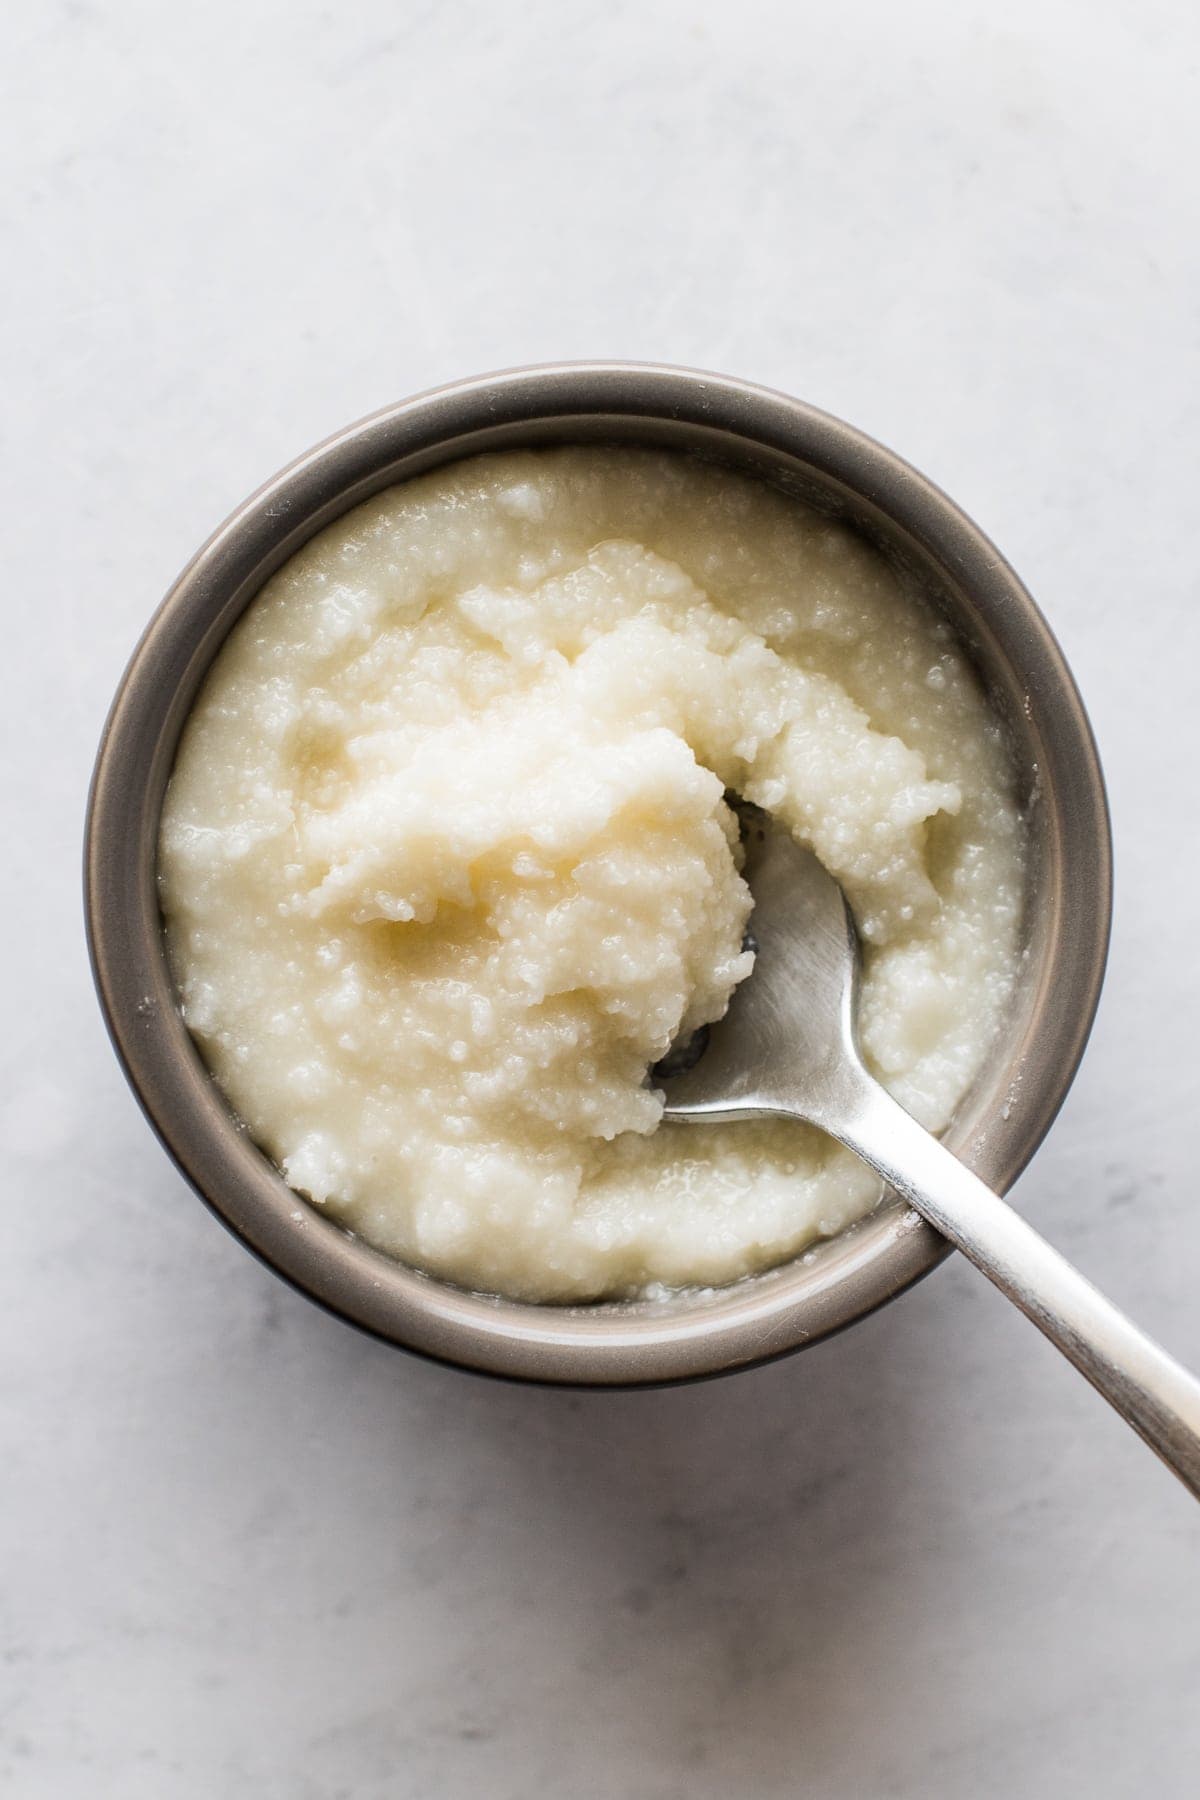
[{"x": 1158, "y": 1397}]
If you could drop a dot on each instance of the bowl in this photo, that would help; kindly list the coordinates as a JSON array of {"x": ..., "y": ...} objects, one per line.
[{"x": 803, "y": 452}]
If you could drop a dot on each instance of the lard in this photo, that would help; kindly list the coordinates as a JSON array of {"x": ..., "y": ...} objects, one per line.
[{"x": 446, "y": 864}]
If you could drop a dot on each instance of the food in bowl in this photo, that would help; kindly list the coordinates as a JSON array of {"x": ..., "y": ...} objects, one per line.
[{"x": 446, "y": 861}]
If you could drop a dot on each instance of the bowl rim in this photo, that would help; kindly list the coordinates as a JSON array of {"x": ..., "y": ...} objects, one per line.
[{"x": 760, "y": 1317}]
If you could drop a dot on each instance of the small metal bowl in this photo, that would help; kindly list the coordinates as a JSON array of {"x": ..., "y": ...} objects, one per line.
[{"x": 805, "y": 453}]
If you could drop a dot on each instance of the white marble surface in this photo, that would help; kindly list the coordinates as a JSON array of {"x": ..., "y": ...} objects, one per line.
[{"x": 249, "y": 1554}]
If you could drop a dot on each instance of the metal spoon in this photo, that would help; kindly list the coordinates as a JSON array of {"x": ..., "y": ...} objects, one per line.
[{"x": 788, "y": 1046}]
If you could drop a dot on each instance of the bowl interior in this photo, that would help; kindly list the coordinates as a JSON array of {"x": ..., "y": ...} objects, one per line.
[{"x": 938, "y": 554}]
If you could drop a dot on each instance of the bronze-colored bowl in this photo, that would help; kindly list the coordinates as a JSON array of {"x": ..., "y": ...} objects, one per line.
[{"x": 806, "y": 453}]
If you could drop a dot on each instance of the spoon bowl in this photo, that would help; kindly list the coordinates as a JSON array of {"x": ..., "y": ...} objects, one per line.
[{"x": 791, "y": 1025}]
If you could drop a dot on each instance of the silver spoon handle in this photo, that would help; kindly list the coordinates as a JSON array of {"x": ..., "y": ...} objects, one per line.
[{"x": 1158, "y": 1397}]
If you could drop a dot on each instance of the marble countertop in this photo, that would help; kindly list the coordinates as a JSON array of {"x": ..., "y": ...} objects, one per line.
[{"x": 250, "y": 1554}]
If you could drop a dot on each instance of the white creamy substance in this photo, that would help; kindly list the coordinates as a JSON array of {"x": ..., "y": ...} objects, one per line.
[{"x": 446, "y": 864}]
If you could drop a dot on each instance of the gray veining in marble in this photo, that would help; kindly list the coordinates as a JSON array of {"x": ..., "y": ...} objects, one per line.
[{"x": 248, "y": 1554}]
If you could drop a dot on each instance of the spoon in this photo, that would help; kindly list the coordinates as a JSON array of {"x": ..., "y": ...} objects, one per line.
[{"x": 788, "y": 1047}]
